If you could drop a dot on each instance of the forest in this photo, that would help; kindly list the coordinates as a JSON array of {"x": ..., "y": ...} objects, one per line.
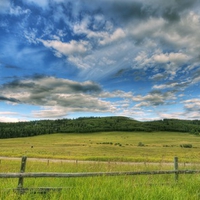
[{"x": 95, "y": 124}]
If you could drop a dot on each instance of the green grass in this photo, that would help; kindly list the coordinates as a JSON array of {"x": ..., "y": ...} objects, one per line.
[
  {"x": 109, "y": 146},
  {"x": 140, "y": 187},
  {"x": 118, "y": 189}
]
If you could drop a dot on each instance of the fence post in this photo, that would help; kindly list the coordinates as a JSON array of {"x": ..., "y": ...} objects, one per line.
[
  {"x": 22, "y": 170},
  {"x": 176, "y": 168}
]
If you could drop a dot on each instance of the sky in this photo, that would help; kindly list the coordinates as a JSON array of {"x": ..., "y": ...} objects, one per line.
[{"x": 82, "y": 58}]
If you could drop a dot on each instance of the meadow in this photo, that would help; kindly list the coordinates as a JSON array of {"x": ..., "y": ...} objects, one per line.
[
  {"x": 158, "y": 147},
  {"x": 106, "y": 146}
]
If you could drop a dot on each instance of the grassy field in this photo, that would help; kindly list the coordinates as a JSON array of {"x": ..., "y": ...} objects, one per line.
[
  {"x": 109, "y": 146},
  {"x": 140, "y": 187}
]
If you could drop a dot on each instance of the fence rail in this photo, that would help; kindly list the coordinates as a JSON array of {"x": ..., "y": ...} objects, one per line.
[
  {"x": 23, "y": 175},
  {"x": 92, "y": 174}
]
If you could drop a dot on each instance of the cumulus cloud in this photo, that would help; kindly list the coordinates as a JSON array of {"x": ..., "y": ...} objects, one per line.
[
  {"x": 74, "y": 103},
  {"x": 117, "y": 35},
  {"x": 171, "y": 57},
  {"x": 192, "y": 105},
  {"x": 171, "y": 63},
  {"x": 45, "y": 84},
  {"x": 179, "y": 86},
  {"x": 175, "y": 58},
  {"x": 13, "y": 100},
  {"x": 196, "y": 76},
  {"x": 146, "y": 28},
  {"x": 102, "y": 37},
  {"x": 71, "y": 48},
  {"x": 155, "y": 98},
  {"x": 191, "y": 108},
  {"x": 55, "y": 95},
  {"x": 158, "y": 77},
  {"x": 58, "y": 97}
]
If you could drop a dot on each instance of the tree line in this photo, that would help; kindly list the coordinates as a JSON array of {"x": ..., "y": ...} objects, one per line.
[{"x": 95, "y": 124}]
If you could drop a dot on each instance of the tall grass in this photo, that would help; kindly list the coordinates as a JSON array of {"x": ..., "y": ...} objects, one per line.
[{"x": 144, "y": 187}]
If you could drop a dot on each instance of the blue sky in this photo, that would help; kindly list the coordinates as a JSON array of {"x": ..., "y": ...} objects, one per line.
[{"x": 66, "y": 59}]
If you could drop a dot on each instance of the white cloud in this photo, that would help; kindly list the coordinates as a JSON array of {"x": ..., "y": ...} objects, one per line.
[
  {"x": 154, "y": 99},
  {"x": 165, "y": 86},
  {"x": 50, "y": 112},
  {"x": 117, "y": 35},
  {"x": 142, "y": 61},
  {"x": 162, "y": 58},
  {"x": 170, "y": 62},
  {"x": 180, "y": 86},
  {"x": 191, "y": 109},
  {"x": 116, "y": 93},
  {"x": 7, "y": 113},
  {"x": 8, "y": 119},
  {"x": 31, "y": 36},
  {"x": 6, "y": 116},
  {"x": 104, "y": 36},
  {"x": 173, "y": 115},
  {"x": 192, "y": 104},
  {"x": 80, "y": 62},
  {"x": 58, "y": 96},
  {"x": 66, "y": 104},
  {"x": 176, "y": 58},
  {"x": 179, "y": 39},
  {"x": 146, "y": 28},
  {"x": 182, "y": 35},
  {"x": 72, "y": 48},
  {"x": 82, "y": 27},
  {"x": 196, "y": 76},
  {"x": 17, "y": 10},
  {"x": 158, "y": 77}
]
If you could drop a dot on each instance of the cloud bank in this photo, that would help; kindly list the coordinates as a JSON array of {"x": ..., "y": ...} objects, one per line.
[{"x": 134, "y": 57}]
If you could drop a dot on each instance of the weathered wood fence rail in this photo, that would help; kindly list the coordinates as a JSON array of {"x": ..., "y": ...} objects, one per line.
[
  {"x": 92, "y": 174},
  {"x": 23, "y": 175}
]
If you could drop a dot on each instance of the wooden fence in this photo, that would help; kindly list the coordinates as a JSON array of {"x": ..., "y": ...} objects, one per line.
[{"x": 23, "y": 175}]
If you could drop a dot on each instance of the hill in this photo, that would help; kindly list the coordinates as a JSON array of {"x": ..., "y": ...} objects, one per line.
[{"x": 95, "y": 124}]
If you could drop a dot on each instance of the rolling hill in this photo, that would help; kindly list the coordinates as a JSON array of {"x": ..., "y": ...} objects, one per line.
[{"x": 95, "y": 124}]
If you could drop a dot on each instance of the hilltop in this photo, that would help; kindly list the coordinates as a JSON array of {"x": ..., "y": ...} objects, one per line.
[{"x": 95, "y": 124}]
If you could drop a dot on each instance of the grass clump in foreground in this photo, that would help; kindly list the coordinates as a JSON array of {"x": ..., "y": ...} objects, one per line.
[
  {"x": 109, "y": 188},
  {"x": 139, "y": 187}
]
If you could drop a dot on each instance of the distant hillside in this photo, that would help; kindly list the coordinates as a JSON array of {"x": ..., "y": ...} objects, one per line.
[
  {"x": 95, "y": 124},
  {"x": 177, "y": 125}
]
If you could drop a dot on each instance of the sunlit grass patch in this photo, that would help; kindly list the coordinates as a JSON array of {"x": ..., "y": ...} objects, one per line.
[{"x": 157, "y": 146}]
